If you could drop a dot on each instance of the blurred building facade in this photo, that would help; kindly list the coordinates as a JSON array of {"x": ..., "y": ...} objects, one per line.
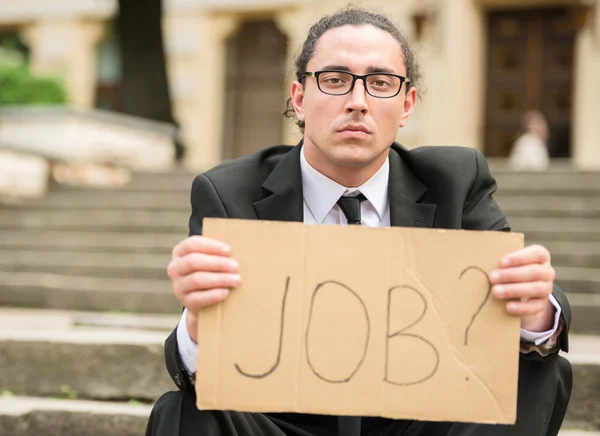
[{"x": 230, "y": 65}]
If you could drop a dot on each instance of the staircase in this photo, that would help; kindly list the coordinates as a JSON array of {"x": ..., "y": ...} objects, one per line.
[
  {"x": 85, "y": 302},
  {"x": 560, "y": 209}
]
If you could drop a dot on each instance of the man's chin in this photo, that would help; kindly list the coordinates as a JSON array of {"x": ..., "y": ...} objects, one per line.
[{"x": 352, "y": 156}]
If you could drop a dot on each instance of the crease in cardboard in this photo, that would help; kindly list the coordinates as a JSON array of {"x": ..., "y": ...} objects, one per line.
[
  {"x": 221, "y": 327},
  {"x": 472, "y": 372},
  {"x": 305, "y": 239},
  {"x": 390, "y": 241},
  {"x": 422, "y": 282}
]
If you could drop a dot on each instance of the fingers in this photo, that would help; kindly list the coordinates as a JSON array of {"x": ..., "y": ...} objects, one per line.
[
  {"x": 181, "y": 266},
  {"x": 200, "y": 244},
  {"x": 527, "y": 273},
  {"x": 194, "y": 301},
  {"x": 525, "y": 278},
  {"x": 528, "y": 255},
  {"x": 202, "y": 273},
  {"x": 528, "y": 290},
  {"x": 527, "y": 308},
  {"x": 202, "y": 281}
]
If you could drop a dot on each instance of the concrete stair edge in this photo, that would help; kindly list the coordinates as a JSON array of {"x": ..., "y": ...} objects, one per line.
[{"x": 26, "y": 416}]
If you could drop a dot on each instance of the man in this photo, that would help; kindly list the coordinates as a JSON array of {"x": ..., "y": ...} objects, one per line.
[{"x": 356, "y": 85}]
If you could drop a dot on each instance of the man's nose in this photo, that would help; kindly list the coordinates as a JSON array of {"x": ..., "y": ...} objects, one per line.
[{"x": 357, "y": 98}]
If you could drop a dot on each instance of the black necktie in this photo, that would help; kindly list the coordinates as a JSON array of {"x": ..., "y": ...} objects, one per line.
[{"x": 350, "y": 206}]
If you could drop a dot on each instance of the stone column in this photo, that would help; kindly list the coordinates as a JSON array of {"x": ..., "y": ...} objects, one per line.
[
  {"x": 202, "y": 122},
  {"x": 586, "y": 128},
  {"x": 290, "y": 23},
  {"x": 67, "y": 49},
  {"x": 455, "y": 76}
]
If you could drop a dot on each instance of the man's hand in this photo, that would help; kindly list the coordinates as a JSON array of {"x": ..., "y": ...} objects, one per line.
[
  {"x": 525, "y": 279},
  {"x": 202, "y": 274}
]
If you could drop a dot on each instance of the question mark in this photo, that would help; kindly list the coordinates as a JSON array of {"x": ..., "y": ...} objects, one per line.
[{"x": 487, "y": 296}]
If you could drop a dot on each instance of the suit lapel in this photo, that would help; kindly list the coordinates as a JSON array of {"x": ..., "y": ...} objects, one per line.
[
  {"x": 404, "y": 192},
  {"x": 284, "y": 184},
  {"x": 285, "y": 201}
]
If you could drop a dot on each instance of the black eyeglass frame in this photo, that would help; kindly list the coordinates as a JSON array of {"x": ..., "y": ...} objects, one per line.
[{"x": 356, "y": 77}]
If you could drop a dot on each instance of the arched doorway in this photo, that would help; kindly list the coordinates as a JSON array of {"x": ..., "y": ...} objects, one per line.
[
  {"x": 255, "y": 89},
  {"x": 530, "y": 66},
  {"x": 109, "y": 71}
]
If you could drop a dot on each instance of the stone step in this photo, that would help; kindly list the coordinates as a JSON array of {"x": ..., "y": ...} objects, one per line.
[
  {"x": 83, "y": 355},
  {"x": 574, "y": 225},
  {"x": 578, "y": 433},
  {"x": 557, "y": 183},
  {"x": 84, "y": 362},
  {"x": 94, "y": 200},
  {"x": 585, "y": 309},
  {"x": 584, "y": 356},
  {"x": 92, "y": 264},
  {"x": 549, "y": 206},
  {"x": 27, "y": 416},
  {"x": 582, "y": 254},
  {"x": 536, "y": 188},
  {"x": 55, "y": 319},
  {"x": 54, "y": 291},
  {"x": 134, "y": 220},
  {"x": 581, "y": 260},
  {"x": 571, "y": 247},
  {"x": 578, "y": 280},
  {"x": 171, "y": 181},
  {"x": 56, "y": 240},
  {"x": 557, "y": 229},
  {"x": 23, "y": 416}
]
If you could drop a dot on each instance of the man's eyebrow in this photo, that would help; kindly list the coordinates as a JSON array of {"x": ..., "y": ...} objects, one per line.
[
  {"x": 336, "y": 67},
  {"x": 370, "y": 70},
  {"x": 380, "y": 70}
]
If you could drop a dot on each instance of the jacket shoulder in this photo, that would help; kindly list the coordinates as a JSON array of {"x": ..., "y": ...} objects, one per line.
[
  {"x": 442, "y": 154},
  {"x": 251, "y": 168},
  {"x": 446, "y": 162},
  {"x": 244, "y": 176}
]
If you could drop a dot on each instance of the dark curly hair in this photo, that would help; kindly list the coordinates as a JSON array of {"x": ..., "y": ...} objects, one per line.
[{"x": 354, "y": 17}]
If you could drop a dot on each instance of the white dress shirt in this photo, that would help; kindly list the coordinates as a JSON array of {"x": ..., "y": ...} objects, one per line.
[{"x": 320, "y": 207}]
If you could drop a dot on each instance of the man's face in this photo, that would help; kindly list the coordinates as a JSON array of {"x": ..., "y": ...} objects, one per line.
[{"x": 333, "y": 124}]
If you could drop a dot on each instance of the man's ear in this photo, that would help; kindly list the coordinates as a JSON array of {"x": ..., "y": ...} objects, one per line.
[
  {"x": 297, "y": 95},
  {"x": 410, "y": 100}
]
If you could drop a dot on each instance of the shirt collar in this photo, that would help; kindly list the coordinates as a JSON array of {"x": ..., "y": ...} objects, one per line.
[{"x": 321, "y": 193}]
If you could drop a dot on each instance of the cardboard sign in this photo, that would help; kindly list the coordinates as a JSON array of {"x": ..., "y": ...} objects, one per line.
[{"x": 349, "y": 320}]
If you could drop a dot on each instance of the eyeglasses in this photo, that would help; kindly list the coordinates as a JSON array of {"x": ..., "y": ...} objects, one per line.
[{"x": 380, "y": 85}]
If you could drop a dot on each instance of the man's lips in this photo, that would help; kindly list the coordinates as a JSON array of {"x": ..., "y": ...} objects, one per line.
[{"x": 355, "y": 128}]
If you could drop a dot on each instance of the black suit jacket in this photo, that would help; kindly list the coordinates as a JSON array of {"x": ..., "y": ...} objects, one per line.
[{"x": 441, "y": 187}]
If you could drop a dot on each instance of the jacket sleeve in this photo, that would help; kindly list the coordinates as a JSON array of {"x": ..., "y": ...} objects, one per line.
[
  {"x": 205, "y": 203},
  {"x": 481, "y": 212}
]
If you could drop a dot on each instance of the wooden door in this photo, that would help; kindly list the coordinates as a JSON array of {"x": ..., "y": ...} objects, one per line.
[
  {"x": 255, "y": 90},
  {"x": 530, "y": 66}
]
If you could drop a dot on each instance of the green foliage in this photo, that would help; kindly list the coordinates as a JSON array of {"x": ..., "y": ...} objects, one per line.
[
  {"x": 68, "y": 392},
  {"x": 18, "y": 86}
]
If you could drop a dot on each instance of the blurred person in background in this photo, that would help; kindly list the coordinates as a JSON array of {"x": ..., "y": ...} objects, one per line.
[
  {"x": 356, "y": 84},
  {"x": 530, "y": 150}
]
